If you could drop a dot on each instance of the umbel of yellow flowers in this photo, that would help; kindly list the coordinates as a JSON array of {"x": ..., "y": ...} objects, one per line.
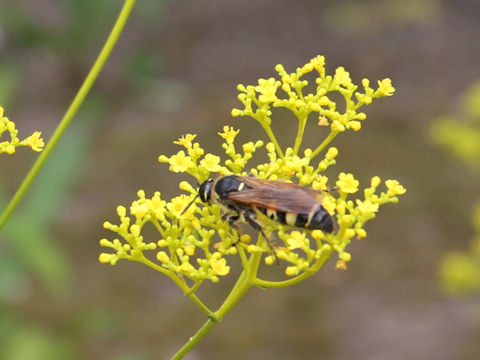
[{"x": 196, "y": 243}]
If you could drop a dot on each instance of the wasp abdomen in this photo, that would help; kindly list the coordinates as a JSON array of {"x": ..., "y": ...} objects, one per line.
[{"x": 318, "y": 219}]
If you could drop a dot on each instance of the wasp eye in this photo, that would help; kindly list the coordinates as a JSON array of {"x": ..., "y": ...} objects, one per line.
[{"x": 205, "y": 190}]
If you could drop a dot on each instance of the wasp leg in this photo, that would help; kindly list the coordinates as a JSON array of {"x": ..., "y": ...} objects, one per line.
[
  {"x": 251, "y": 219},
  {"x": 233, "y": 221}
]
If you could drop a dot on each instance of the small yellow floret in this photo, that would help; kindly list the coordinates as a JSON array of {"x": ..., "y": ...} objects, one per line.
[
  {"x": 245, "y": 238},
  {"x": 355, "y": 125},
  {"x": 385, "y": 87},
  {"x": 135, "y": 230},
  {"x": 219, "y": 266},
  {"x": 186, "y": 140},
  {"x": 331, "y": 153},
  {"x": 211, "y": 162},
  {"x": 189, "y": 250},
  {"x": 35, "y": 141},
  {"x": 228, "y": 134},
  {"x": 291, "y": 271},
  {"x": 337, "y": 126},
  {"x": 180, "y": 162},
  {"x": 186, "y": 267},
  {"x": 361, "y": 233},
  {"x": 121, "y": 211},
  {"x": 267, "y": 88},
  {"x": 367, "y": 207},
  {"x": 105, "y": 258},
  {"x": 394, "y": 188},
  {"x": 375, "y": 181},
  {"x": 347, "y": 183}
]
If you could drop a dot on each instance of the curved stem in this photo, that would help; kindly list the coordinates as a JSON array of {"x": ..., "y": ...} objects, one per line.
[
  {"x": 311, "y": 271},
  {"x": 325, "y": 142},
  {"x": 72, "y": 110}
]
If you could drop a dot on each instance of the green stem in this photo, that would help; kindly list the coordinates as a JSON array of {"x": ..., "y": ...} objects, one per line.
[
  {"x": 189, "y": 292},
  {"x": 273, "y": 139},
  {"x": 72, "y": 110},
  {"x": 325, "y": 142},
  {"x": 302, "y": 121},
  {"x": 241, "y": 287},
  {"x": 311, "y": 271}
]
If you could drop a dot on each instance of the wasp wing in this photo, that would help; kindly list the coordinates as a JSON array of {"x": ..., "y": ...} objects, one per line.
[{"x": 276, "y": 195}]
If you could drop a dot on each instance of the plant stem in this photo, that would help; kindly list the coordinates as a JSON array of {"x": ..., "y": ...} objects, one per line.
[
  {"x": 241, "y": 287},
  {"x": 325, "y": 142},
  {"x": 302, "y": 121},
  {"x": 72, "y": 110},
  {"x": 273, "y": 139},
  {"x": 313, "y": 270}
]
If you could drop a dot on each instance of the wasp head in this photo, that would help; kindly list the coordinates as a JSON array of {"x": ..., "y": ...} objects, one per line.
[{"x": 205, "y": 190}]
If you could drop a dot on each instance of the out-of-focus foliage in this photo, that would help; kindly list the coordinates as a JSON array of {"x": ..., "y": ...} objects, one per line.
[{"x": 460, "y": 272}]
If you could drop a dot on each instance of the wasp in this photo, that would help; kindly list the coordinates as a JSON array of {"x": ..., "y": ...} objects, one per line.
[{"x": 286, "y": 203}]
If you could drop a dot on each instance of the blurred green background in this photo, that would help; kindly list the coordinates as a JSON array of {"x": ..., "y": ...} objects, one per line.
[{"x": 175, "y": 71}]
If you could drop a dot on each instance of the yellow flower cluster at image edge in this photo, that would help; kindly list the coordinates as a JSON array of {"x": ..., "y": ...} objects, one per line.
[
  {"x": 195, "y": 243},
  {"x": 34, "y": 141}
]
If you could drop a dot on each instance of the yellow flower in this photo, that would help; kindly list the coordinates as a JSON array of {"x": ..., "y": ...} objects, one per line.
[
  {"x": 267, "y": 89},
  {"x": 367, "y": 207},
  {"x": 180, "y": 162},
  {"x": 385, "y": 87},
  {"x": 163, "y": 257},
  {"x": 229, "y": 134},
  {"x": 318, "y": 62},
  {"x": 139, "y": 208},
  {"x": 34, "y": 141},
  {"x": 394, "y": 188},
  {"x": 211, "y": 162},
  {"x": 331, "y": 153},
  {"x": 347, "y": 183},
  {"x": 296, "y": 240},
  {"x": 337, "y": 126},
  {"x": 186, "y": 268},
  {"x": 178, "y": 204},
  {"x": 355, "y": 125},
  {"x": 342, "y": 77},
  {"x": 105, "y": 258},
  {"x": 219, "y": 266},
  {"x": 186, "y": 140}
]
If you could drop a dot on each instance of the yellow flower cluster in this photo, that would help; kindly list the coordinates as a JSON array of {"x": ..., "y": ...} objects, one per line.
[
  {"x": 258, "y": 100},
  {"x": 185, "y": 228},
  {"x": 34, "y": 141},
  {"x": 195, "y": 239}
]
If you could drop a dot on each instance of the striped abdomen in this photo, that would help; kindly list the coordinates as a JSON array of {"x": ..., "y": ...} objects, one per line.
[{"x": 318, "y": 218}]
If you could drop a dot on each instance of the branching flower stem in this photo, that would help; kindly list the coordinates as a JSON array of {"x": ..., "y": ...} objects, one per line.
[{"x": 72, "y": 110}]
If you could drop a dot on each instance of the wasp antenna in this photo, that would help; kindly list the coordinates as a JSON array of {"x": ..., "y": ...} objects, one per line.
[
  {"x": 331, "y": 189},
  {"x": 189, "y": 204}
]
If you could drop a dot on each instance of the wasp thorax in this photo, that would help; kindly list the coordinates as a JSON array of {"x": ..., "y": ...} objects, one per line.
[{"x": 205, "y": 191}]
